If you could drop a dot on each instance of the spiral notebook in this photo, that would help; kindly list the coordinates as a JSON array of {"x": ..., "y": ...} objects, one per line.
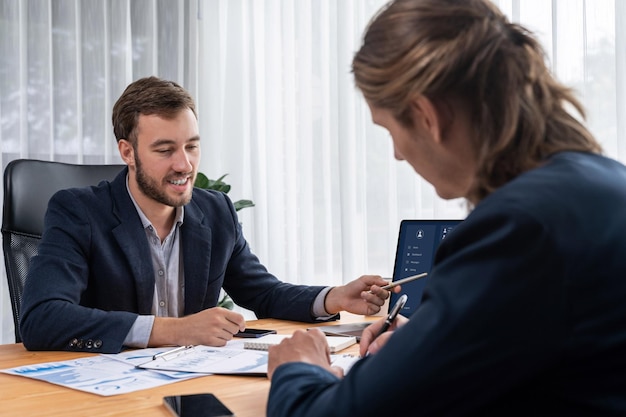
[{"x": 336, "y": 343}]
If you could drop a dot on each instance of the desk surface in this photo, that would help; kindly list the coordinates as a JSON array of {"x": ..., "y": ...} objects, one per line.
[{"x": 246, "y": 396}]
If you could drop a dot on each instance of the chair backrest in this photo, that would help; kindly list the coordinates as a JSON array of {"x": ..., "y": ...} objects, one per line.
[{"x": 28, "y": 185}]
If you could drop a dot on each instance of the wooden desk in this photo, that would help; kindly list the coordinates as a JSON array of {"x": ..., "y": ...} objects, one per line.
[{"x": 246, "y": 396}]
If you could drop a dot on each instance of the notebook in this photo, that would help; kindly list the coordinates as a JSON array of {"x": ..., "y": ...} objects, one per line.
[
  {"x": 418, "y": 241},
  {"x": 336, "y": 343}
]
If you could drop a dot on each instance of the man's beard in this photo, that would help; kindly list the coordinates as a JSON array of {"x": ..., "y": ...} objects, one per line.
[{"x": 152, "y": 189}]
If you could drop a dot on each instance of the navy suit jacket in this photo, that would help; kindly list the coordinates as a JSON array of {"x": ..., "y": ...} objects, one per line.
[
  {"x": 524, "y": 313},
  {"x": 93, "y": 273}
]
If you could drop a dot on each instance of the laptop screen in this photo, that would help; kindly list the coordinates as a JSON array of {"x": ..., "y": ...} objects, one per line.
[{"x": 418, "y": 241}]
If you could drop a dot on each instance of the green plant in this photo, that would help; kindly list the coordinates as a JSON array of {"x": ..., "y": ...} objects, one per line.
[{"x": 202, "y": 181}]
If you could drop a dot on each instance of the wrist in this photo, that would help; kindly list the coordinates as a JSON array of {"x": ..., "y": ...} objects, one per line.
[
  {"x": 332, "y": 303},
  {"x": 164, "y": 332}
]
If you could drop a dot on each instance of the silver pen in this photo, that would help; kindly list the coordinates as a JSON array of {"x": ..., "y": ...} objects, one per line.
[
  {"x": 403, "y": 281},
  {"x": 171, "y": 352}
]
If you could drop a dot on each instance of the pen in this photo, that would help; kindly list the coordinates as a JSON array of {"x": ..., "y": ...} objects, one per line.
[
  {"x": 171, "y": 352},
  {"x": 392, "y": 315},
  {"x": 403, "y": 281}
]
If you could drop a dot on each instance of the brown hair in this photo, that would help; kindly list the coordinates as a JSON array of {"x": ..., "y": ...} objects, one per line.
[
  {"x": 469, "y": 50},
  {"x": 150, "y": 95}
]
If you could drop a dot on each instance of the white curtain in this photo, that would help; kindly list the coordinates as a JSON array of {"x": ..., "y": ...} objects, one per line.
[
  {"x": 277, "y": 107},
  {"x": 63, "y": 63}
]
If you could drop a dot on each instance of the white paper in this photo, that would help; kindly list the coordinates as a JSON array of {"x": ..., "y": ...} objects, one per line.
[
  {"x": 118, "y": 374},
  {"x": 99, "y": 375},
  {"x": 345, "y": 361},
  {"x": 212, "y": 360}
]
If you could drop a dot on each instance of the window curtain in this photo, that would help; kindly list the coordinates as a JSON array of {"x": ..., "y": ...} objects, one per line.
[
  {"x": 64, "y": 63},
  {"x": 278, "y": 111}
]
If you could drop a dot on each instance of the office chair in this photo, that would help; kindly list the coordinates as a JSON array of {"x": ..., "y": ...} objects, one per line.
[{"x": 28, "y": 185}]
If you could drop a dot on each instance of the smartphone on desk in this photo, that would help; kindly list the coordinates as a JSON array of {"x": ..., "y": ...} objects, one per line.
[
  {"x": 254, "y": 333},
  {"x": 196, "y": 405}
]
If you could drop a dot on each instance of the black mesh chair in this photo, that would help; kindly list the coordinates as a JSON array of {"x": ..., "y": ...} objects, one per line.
[{"x": 28, "y": 185}]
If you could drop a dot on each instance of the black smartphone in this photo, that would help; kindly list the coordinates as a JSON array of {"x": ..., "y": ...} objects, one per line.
[
  {"x": 254, "y": 333},
  {"x": 196, "y": 405}
]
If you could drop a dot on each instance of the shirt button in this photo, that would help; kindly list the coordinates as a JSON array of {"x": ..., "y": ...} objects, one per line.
[
  {"x": 162, "y": 303},
  {"x": 160, "y": 272}
]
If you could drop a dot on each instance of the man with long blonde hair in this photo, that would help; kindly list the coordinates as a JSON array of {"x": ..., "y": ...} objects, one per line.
[{"x": 524, "y": 312}]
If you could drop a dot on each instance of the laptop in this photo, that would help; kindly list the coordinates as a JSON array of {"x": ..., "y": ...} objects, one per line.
[{"x": 418, "y": 241}]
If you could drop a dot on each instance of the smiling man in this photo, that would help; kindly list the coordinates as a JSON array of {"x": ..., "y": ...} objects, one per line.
[{"x": 140, "y": 261}]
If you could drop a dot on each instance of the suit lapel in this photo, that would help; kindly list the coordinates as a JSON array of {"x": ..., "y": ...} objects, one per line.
[
  {"x": 131, "y": 238},
  {"x": 196, "y": 238}
]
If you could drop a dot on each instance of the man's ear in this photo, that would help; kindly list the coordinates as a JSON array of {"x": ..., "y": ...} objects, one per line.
[
  {"x": 127, "y": 152},
  {"x": 427, "y": 117}
]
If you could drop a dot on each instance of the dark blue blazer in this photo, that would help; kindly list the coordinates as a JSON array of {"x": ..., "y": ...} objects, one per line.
[
  {"x": 524, "y": 313},
  {"x": 93, "y": 274}
]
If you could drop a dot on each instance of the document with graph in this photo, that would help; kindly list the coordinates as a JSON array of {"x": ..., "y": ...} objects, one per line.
[{"x": 210, "y": 360}]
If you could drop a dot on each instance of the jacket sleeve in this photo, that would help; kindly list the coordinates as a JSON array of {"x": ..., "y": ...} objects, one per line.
[
  {"x": 490, "y": 318},
  {"x": 52, "y": 315},
  {"x": 303, "y": 382}
]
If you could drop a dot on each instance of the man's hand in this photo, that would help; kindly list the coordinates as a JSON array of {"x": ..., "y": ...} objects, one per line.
[
  {"x": 361, "y": 296},
  {"x": 304, "y": 346},
  {"x": 370, "y": 343},
  {"x": 213, "y": 327}
]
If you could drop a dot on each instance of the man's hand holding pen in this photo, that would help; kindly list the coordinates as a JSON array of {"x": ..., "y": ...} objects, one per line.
[
  {"x": 377, "y": 334},
  {"x": 364, "y": 295}
]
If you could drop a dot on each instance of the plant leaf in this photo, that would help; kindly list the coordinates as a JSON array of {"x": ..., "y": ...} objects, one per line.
[
  {"x": 225, "y": 188},
  {"x": 240, "y": 204},
  {"x": 217, "y": 185},
  {"x": 226, "y": 302},
  {"x": 201, "y": 181}
]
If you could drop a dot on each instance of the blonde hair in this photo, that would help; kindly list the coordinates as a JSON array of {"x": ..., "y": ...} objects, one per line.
[{"x": 468, "y": 49}]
